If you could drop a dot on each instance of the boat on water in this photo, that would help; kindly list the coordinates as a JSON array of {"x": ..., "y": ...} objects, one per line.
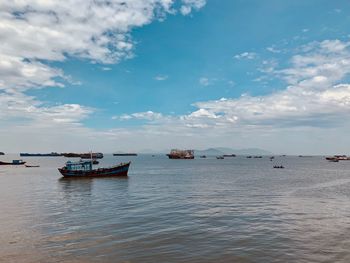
[
  {"x": 337, "y": 158},
  {"x": 84, "y": 155},
  {"x": 278, "y": 167},
  {"x": 52, "y": 154},
  {"x": 220, "y": 157},
  {"x": 124, "y": 154},
  {"x": 84, "y": 169},
  {"x": 2, "y": 153},
  {"x": 181, "y": 154},
  {"x": 31, "y": 166},
  {"x": 229, "y": 155},
  {"x": 14, "y": 162},
  {"x": 203, "y": 156}
]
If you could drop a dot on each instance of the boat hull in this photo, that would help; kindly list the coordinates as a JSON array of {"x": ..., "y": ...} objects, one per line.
[
  {"x": 115, "y": 171},
  {"x": 180, "y": 157},
  {"x": 6, "y": 163}
]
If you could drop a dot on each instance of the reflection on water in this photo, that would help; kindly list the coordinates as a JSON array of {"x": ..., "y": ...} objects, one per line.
[{"x": 231, "y": 210}]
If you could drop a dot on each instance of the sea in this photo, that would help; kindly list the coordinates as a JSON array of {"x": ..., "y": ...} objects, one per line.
[{"x": 202, "y": 210}]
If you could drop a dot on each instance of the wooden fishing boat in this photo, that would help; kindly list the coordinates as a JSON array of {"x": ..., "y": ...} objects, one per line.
[
  {"x": 84, "y": 169},
  {"x": 14, "y": 162},
  {"x": 31, "y": 166}
]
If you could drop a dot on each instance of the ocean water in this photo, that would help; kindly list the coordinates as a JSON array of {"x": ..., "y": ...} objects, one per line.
[{"x": 202, "y": 210}]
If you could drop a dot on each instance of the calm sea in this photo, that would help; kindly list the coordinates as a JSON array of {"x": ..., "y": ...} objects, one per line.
[{"x": 202, "y": 210}]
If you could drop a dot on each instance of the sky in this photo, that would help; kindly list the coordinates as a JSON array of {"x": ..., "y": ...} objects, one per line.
[{"x": 134, "y": 75}]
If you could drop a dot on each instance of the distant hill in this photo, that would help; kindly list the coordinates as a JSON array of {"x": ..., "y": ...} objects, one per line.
[{"x": 225, "y": 150}]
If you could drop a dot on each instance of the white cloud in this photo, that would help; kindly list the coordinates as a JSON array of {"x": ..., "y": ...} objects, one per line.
[
  {"x": 204, "y": 81},
  {"x": 273, "y": 49},
  {"x": 34, "y": 33},
  {"x": 161, "y": 77},
  {"x": 315, "y": 96},
  {"x": 147, "y": 115},
  {"x": 246, "y": 55},
  {"x": 189, "y": 5}
]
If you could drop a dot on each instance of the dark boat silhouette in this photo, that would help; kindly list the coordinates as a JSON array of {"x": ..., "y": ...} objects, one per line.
[
  {"x": 124, "y": 154},
  {"x": 14, "y": 162},
  {"x": 84, "y": 169}
]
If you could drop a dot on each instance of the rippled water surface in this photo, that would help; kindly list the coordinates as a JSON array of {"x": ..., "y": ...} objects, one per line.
[{"x": 203, "y": 210}]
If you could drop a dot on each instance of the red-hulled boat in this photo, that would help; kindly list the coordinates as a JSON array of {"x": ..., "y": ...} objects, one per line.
[
  {"x": 84, "y": 169},
  {"x": 14, "y": 162}
]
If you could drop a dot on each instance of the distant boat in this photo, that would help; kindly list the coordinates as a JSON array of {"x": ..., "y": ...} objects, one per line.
[
  {"x": 31, "y": 166},
  {"x": 52, "y": 154},
  {"x": 203, "y": 156},
  {"x": 278, "y": 167},
  {"x": 249, "y": 157},
  {"x": 336, "y": 158},
  {"x": 14, "y": 162},
  {"x": 124, "y": 154},
  {"x": 181, "y": 154},
  {"x": 257, "y": 157},
  {"x": 84, "y": 155},
  {"x": 220, "y": 157},
  {"x": 2, "y": 153},
  {"x": 229, "y": 155},
  {"x": 84, "y": 169}
]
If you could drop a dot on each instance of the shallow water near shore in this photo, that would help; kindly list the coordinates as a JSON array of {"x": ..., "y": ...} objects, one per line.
[{"x": 202, "y": 210}]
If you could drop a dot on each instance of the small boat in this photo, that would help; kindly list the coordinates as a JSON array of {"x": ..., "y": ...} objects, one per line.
[
  {"x": 229, "y": 155},
  {"x": 2, "y": 153},
  {"x": 84, "y": 169},
  {"x": 278, "y": 166},
  {"x": 124, "y": 154},
  {"x": 31, "y": 166},
  {"x": 203, "y": 156},
  {"x": 249, "y": 156},
  {"x": 14, "y": 162},
  {"x": 220, "y": 157}
]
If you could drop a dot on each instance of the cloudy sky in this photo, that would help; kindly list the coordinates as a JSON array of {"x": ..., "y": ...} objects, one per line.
[{"x": 127, "y": 75}]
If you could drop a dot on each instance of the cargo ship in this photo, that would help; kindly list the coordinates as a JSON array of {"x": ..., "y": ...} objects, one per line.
[
  {"x": 84, "y": 155},
  {"x": 181, "y": 154},
  {"x": 84, "y": 169},
  {"x": 338, "y": 158},
  {"x": 52, "y": 154}
]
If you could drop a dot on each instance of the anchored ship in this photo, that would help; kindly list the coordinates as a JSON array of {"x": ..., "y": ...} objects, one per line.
[
  {"x": 84, "y": 169},
  {"x": 181, "y": 154},
  {"x": 84, "y": 155},
  {"x": 14, "y": 162}
]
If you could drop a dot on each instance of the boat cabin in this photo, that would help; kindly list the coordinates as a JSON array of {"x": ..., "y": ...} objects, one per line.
[{"x": 79, "y": 166}]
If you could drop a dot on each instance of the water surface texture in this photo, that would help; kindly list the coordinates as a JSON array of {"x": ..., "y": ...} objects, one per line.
[{"x": 202, "y": 210}]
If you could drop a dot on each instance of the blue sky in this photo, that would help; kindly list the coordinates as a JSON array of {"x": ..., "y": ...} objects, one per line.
[{"x": 167, "y": 69}]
